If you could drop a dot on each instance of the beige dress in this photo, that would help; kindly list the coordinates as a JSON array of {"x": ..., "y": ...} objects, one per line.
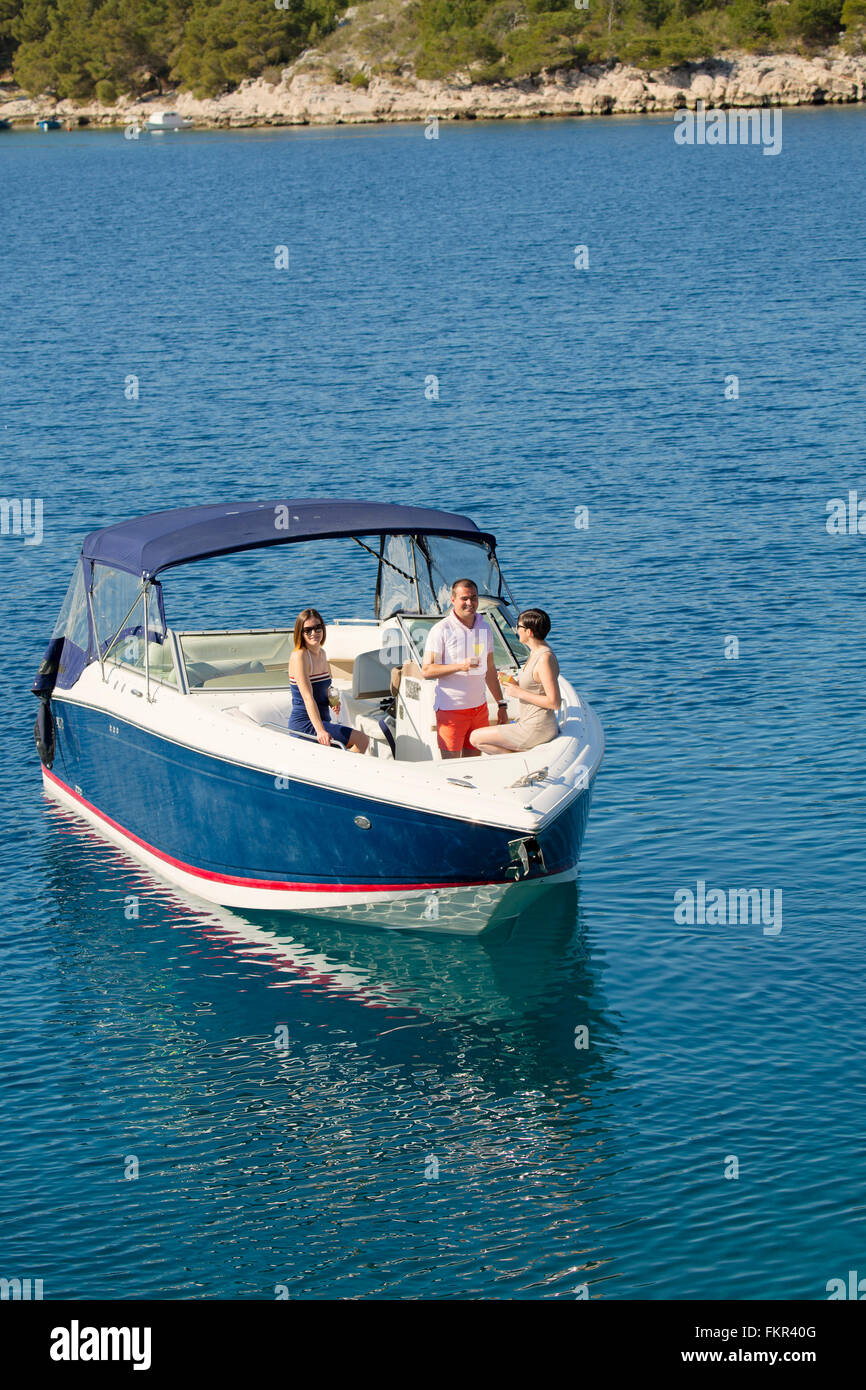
[{"x": 534, "y": 724}]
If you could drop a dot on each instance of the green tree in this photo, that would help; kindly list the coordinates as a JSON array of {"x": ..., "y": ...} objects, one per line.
[
  {"x": 749, "y": 21},
  {"x": 655, "y": 12},
  {"x": 9, "y": 12},
  {"x": 445, "y": 16},
  {"x": 225, "y": 42},
  {"x": 33, "y": 20},
  {"x": 68, "y": 46},
  {"x": 816, "y": 21},
  {"x": 55, "y": 47},
  {"x": 139, "y": 40}
]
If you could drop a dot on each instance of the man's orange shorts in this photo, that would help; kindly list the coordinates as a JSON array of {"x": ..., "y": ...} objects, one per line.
[{"x": 453, "y": 727}]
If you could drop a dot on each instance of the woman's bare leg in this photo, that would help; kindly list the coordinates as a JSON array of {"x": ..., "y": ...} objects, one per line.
[
  {"x": 494, "y": 739},
  {"x": 358, "y": 742}
]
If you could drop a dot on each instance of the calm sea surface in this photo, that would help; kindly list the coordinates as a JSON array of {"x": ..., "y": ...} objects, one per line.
[{"x": 709, "y": 1141}]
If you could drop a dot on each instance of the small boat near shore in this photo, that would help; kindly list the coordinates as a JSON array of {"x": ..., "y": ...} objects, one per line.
[
  {"x": 174, "y": 744},
  {"x": 166, "y": 120},
  {"x": 49, "y": 123}
]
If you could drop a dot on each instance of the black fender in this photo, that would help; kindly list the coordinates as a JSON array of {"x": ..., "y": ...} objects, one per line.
[{"x": 43, "y": 732}]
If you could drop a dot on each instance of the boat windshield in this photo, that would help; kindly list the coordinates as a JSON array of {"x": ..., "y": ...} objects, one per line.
[
  {"x": 102, "y": 617},
  {"x": 254, "y": 659},
  {"x": 506, "y": 649},
  {"x": 416, "y": 573}
]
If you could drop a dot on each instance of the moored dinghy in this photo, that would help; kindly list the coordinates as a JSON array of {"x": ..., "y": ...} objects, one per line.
[{"x": 174, "y": 744}]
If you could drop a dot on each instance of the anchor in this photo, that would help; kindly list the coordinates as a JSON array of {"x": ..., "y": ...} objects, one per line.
[{"x": 530, "y": 778}]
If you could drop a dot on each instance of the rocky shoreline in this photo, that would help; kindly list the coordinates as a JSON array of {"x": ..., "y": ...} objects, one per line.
[{"x": 307, "y": 96}]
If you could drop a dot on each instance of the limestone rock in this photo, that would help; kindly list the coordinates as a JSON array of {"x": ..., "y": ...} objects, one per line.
[{"x": 306, "y": 94}]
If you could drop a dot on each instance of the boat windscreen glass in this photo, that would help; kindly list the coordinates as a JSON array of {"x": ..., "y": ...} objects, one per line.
[
  {"x": 420, "y": 570},
  {"x": 129, "y": 649},
  {"x": 252, "y": 660},
  {"x": 72, "y": 631},
  {"x": 398, "y": 590},
  {"x": 506, "y": 648},
  {"x": 113, "y": 595},
  {"x": 504, "y": 632}
]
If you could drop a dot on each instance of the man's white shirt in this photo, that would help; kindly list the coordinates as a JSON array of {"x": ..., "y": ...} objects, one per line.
[{"x": 449, "y": 641}]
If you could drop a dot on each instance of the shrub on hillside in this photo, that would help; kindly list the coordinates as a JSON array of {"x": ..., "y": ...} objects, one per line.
[
  {"x": 749, "y": 22},
  {"x": 814, "y": 21},
  {"x": 68, "y": 47}
]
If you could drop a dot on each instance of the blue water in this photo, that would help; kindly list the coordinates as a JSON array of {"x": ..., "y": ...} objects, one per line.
[{"x": 314, "y": 1165}]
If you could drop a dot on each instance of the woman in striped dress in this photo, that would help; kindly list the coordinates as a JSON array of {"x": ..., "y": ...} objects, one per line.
[{"x": 310, "y": 679}]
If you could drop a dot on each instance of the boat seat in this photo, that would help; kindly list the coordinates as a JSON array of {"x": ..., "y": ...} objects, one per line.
[
  {"x": 377, "y": 726},
  {"x": 365, "y": 716},
  {"x": 371, "y": 676},
  {"x": 199, "y": 673},
  {"x": 271, "y": 710},
  {"x": 362, "y": 706}
]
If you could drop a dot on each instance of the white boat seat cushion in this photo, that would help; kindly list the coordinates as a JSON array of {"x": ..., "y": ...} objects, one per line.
[
  {"x": 198, "y": 673},
  {"x": 268, "y": 709}
]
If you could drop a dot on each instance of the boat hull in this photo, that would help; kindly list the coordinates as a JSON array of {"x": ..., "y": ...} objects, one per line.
[{"x": 242, "y": 837}]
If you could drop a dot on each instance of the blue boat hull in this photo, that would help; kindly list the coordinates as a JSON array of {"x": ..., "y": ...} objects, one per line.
[{"x": 230, "y": 825}]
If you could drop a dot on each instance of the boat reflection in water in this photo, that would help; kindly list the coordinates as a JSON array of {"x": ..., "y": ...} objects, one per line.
[
  {"x": 293, "y": 1080},
  {"x": 531, "y": 966}
]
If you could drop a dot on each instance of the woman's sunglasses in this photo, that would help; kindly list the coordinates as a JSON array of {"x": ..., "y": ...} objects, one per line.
[{"x": 317, "y": 627}]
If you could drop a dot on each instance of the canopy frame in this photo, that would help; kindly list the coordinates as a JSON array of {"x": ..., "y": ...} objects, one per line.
[
  {"x": 138, "y": 549},
  {"x": 146, "y": 545}
]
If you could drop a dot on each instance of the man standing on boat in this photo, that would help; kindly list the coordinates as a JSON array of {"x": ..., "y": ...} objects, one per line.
[{"x": 459, "y": 657}]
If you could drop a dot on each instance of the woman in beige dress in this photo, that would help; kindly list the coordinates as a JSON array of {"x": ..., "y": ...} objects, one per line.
[{"x": 536, "y": 688}]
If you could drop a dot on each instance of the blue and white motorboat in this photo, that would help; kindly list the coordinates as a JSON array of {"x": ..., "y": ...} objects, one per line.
[
  {"x": 48, "y": 123},
  {"x": 174, "y": 744}
]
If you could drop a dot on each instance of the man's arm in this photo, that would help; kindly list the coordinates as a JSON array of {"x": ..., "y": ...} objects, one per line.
[{"x": 433, "y": 669}]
